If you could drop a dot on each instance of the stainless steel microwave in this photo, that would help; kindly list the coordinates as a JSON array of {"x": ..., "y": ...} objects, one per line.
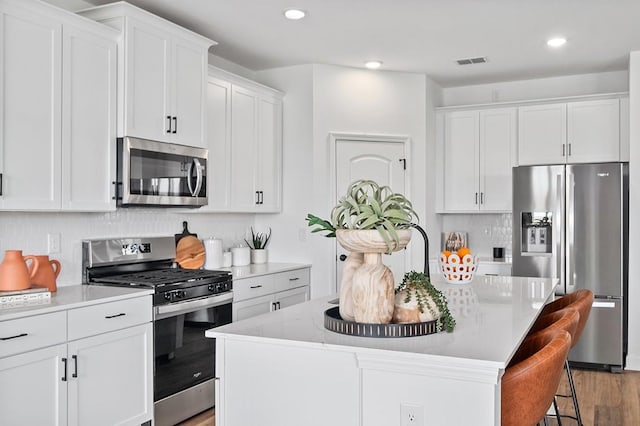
[{"x": 154, "y": 173}]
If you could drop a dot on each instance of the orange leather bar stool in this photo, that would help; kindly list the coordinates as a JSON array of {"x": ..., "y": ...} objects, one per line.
[
  {"x": 529, "y": 385},
  {"x": 581, "y": 301}
]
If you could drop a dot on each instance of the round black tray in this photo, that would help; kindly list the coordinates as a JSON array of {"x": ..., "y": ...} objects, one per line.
[{"x": 333, "y": 322}]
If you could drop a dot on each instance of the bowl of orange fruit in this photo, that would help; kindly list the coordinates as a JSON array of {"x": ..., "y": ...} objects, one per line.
[{"x": 458, "y": 267}]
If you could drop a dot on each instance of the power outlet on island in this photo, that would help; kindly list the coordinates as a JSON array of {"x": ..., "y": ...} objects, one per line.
[{"x": 411, "y": 414}]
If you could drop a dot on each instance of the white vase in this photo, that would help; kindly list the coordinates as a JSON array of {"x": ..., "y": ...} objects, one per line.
[{"x": 259, "y": 256}]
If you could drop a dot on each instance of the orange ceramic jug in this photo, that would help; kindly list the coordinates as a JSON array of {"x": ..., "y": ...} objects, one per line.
[
  {"x": 14, "y": 273},
  {"x": 48, "y": 271}
]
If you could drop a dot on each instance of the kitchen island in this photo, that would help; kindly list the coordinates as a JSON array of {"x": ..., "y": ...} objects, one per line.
[{"x": 285, "y": 368}]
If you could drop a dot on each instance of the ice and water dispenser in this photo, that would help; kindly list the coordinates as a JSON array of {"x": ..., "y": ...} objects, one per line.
[{"x": 537, "y": 232}]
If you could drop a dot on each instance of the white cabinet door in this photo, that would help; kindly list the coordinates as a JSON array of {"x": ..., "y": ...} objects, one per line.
[
  {"x": 269, "y": 154},
  {"x": 32, "y": 388},
  {"x": 88, "y": 120},
  {"x": 146, "y": 83},
  {"x": 189, "y": 94},
  {"x": 30, "y": 93},
  {"x": 542, "y": 134},
  {"x": 244, "y": 153},
  {"x": 497, "y": 143},
  {"x": 593, "y": 131},
  {"x": 461, "y": 145},
  {"x": 292, "y": 297},
  {"x": 113, "y": 381},
  {"x": 252, "y": 307},
  {"x": 219, "y": 144}
]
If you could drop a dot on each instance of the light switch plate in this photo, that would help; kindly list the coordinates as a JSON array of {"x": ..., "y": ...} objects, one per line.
[{"x": 53, "y": 243}]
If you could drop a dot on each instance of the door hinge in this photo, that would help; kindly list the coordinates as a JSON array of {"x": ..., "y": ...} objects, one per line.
[{"x": 404, "y": 163}]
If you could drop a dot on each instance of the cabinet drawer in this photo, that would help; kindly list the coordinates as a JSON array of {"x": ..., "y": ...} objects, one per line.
[
  {"x": 291, "y": 279},
  {"x": 248, "y": 288},
  {"x": 106, "y": 317},
  {"x": 32, "y": 333}
]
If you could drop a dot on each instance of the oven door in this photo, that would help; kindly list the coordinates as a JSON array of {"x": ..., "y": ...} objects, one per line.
[
  {"x": 184, "y": 357},
  {"x": 158, "y": 173}
]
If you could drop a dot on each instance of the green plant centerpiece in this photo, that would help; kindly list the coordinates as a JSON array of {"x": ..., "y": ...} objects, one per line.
[
  {"x": 368, "y": 221},
  {"x": 258, "y": 245},
  {"x": 417, "y": 300}
]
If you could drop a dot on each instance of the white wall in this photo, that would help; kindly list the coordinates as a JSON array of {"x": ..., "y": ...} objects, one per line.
[
  {"x": 633, "y": 357},
  {"x": 541, "y": 88}
]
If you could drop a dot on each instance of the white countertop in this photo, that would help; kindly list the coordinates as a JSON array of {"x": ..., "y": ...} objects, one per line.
[
  {"x": 255, "y": 270},
  {"x": 493, "y": 315},
  {"x": 70, "y": 297}
]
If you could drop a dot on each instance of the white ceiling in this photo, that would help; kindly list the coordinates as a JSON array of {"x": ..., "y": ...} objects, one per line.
[{"x": 422, "y": 36}]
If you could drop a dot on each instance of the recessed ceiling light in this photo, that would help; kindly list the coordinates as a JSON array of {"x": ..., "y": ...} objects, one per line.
[
  {"x": 373, "y": 65},
  {"x": 294, "y": 14},
  {"x": 556, "y": 42}
]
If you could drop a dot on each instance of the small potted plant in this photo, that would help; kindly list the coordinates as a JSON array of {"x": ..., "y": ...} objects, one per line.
[
  {"x": 368, "y": 221},
  {"x": 258, "y": 245}
]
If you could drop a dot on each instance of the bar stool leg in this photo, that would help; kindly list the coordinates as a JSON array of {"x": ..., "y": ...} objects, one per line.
[
  {"x": 573, "y": 392},
  {"x": 555, "y": 408}
]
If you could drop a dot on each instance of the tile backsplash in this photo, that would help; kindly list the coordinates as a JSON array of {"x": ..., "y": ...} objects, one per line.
[
  {"x": 28, "y": 231},
  {"x": 485, "y": 231}
]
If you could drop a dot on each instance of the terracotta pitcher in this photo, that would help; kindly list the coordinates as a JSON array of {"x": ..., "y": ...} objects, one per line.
[
  {"x": 14, "y": 272},
  {"x": 48, "y": 271}
]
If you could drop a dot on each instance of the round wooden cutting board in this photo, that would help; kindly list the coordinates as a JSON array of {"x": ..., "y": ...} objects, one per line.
[{"x": 190, "y": 253}]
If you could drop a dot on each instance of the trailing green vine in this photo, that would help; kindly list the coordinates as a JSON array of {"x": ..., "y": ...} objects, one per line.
[{"x": 417, "y": 285}]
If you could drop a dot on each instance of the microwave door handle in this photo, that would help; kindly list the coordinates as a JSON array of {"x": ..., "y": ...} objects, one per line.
[
  {"x": 199, "y": 176},
  {"x": 194, "y": 191}
]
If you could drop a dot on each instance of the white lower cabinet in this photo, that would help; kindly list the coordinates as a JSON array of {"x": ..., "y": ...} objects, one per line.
[
  {"x": 101, "y": 379},
  {"x": 259, "y": 295}
]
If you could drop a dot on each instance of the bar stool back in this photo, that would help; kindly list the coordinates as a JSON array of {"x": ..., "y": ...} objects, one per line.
[{"x": 529, "y": 386}]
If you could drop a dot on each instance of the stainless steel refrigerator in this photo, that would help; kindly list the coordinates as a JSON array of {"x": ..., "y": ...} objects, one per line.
[{"x": 571, "y": 222}]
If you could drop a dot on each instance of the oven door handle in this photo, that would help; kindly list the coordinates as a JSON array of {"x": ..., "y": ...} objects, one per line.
[{"x": 175, "y": 309}]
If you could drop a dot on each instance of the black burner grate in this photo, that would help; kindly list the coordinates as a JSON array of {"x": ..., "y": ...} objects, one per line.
[{"x": 159, "y": 277}]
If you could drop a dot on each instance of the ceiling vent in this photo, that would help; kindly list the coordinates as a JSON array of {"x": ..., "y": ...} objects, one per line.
[{"x": 470, "y": 61}]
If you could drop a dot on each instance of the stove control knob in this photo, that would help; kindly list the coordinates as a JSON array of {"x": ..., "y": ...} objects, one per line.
[
  {"x": 211, "y": 287},
  {"x": 167, "y": 296}
]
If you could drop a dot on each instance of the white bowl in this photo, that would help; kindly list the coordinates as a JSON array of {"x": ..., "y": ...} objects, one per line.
[{"x": 455, "y": 270}]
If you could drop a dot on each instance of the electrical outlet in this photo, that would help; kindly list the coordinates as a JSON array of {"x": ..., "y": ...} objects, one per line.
[
  {"x": 411, "y": 414},
  {"x": 53, "y": 243}
]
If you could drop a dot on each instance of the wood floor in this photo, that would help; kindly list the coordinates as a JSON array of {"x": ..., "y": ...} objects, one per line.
[{"x": 605, "y": 400}]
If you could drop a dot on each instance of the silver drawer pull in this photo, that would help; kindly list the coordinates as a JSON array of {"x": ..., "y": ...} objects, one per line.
[
  {"x": 255, "y": 286},
  {"x": 294, "y": 279},
  {"x": 121, "y": 314},
  {"x": 13, "y": 337}
]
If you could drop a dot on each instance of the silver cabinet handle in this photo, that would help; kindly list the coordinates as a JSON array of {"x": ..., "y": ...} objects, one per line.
[
  {"x": 476, "y": 198},
  {"x": 195, "y": 163},
  {"x": 569, "y": 149},
  {"x": 482, "y": 198},
  {"x": 563, "y": 150}
]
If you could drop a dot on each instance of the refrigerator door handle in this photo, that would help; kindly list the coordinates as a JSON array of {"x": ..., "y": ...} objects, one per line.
[
  {"x": 570, "y": 233},
  {"x": 603, "y": 305},
  {"x": 557, "y": 234}
]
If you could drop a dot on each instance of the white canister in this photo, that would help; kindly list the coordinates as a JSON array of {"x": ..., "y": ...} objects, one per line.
[
  {"x": 227, "y": 259},
  {"x": 213, "y": 252},
  {"x": 241, "y": 256}
]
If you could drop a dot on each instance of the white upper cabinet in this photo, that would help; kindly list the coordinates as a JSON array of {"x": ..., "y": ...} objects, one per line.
[
  {"x": 245, "y": 145},
  {"x": 163, "y": 68},
  {"x": 57, "y": 109},
  {"x": 573, "y": 132},
  {"x": 477, "y": 149}
]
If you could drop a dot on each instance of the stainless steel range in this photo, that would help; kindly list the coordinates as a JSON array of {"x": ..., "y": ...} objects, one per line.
[{"x": 185, "y": 304}]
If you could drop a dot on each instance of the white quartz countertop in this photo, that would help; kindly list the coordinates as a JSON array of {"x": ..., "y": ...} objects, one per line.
[
  {"x": 70, "y": 297},
  {"x": 255, "y": 270},
  {"x": 493, "y": 315}
]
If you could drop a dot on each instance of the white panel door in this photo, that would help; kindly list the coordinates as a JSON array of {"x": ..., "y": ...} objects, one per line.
[
  {"x": 30, "y": 110},
  {"x": 593, "y": 131},
  {"x": 89, "y": 121},
  {"x": 219, "y": 144},
  {"x": 270, "y": 154},
  {"x": 252, "y": 307},
  {"x": 380, "y": 162},
  {"x": 461, "y": 153},
  {"x": 114, "y": 383},
  {"x": 497, "y": 143},
  {"x": 292, "y": 297},
  {"x": 542, "y": 134},
  {"x": 189, "y": 95},
  {"x": 147, "y": 113},
  {"x": 32, "y": 388},
  {"x": 244, "y": 153}
]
